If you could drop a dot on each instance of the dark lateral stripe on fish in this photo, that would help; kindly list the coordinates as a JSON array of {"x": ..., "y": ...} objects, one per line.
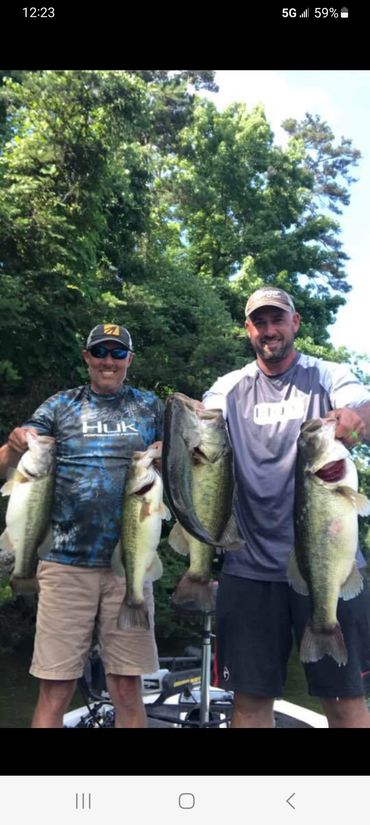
[{"x": 179, "y": 499}]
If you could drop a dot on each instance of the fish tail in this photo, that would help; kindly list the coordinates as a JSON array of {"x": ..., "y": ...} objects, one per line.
[
  {"x": 23, "y": 586},
  {"x": 316, "y": 643},
  {"x": 133, "y": 616},
  {"x": 194, "y": 594}
]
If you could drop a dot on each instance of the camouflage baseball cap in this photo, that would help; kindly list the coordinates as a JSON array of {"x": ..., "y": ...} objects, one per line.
[{"x": 269, "y": 296}]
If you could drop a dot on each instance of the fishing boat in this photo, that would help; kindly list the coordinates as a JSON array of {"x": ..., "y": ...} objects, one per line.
[
  {"x": 175, "y": 697},
  {"x": 180, "y": 694}
]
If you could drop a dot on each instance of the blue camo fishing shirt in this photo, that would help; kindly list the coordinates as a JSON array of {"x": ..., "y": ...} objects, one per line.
[
  {"x": 95, "y": 438},
  {"x": 264, "y": 414}
]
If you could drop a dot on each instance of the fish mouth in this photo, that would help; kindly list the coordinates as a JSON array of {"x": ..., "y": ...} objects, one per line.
[
  {"x": 143, "y": 490},
  {"x": 199, "y": 456},
  {"x": 313, "y": 425},
  {"x": 208, "y": 415},
  {"x": 333, "y": 471}
]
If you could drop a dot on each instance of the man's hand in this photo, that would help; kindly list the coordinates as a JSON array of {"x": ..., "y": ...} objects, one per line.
[
  {"x": 11, "y": 451},
  {"x": 17, "y": 441},
  {"x": 198, "y": 405},
  {"x": 158, "y": 461},
  {"x": 350, "y": 428}
]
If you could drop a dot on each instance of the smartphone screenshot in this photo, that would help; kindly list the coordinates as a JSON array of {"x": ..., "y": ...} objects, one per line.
[{"x": 185, "y": 414}]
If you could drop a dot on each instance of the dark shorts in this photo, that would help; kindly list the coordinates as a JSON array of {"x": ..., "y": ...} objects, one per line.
[{"x": 256, "y": 622}]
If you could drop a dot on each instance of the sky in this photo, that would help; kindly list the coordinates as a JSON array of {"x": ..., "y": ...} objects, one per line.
[{"x": 342, "y": 99}]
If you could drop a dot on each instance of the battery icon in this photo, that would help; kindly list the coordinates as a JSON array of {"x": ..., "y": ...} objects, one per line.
[{"x": 344, "y": 12}]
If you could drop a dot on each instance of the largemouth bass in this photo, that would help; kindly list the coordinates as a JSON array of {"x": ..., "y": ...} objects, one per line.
[
  {"x": 194, "y": 438},
  {"x": 28, "y": 526},
  {"x": 326, "y": 538},
  {"x": 142, "y": 514},
  {"x": 199, "y": 482}
]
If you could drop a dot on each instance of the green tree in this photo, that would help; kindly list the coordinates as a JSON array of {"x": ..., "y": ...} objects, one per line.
[
  {"x": 124, "y": 195},
  {"x": 248, "y": 210},
  {"x": 72, "y": 163}
]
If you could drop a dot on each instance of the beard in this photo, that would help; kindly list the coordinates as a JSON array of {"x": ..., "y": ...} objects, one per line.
[{"x": 279, "y": 350}]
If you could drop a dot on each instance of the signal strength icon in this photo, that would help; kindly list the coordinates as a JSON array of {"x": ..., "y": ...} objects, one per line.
[{"x": 305, "y": 13}]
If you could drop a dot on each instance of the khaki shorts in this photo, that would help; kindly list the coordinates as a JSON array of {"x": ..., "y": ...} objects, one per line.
[{"x": 70, "y": 600}]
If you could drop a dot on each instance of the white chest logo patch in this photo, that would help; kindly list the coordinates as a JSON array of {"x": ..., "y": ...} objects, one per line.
[
  {"x": 107, "y": 428},
  {"x": 274, "y": 411}
]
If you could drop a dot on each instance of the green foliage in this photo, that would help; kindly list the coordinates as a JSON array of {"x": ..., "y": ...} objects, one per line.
[
  {"x": 60, "y": 173},
  {"x": 6, "y": 593},
  {"x": 17, "y": 620},
  {"x": 124, "y": 196},
  {"x": 362, "y": 460}
]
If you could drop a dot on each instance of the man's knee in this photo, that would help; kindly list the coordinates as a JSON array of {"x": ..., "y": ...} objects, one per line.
[
  {"x": 56, "y": 694},
  {"x": 125, "y": 690},
  {"x": 346, "y": 713}
]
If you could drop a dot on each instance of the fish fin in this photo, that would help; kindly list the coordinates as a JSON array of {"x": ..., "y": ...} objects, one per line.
[
  {"x": 230, "y": 538},
  {"x": 155, "y": 569},
  {"x": 295, "y": 577},
  {"x": 353, "y": 585},
  {"x": 133, "y": 616},
  {"x": 116, "y": 561},
  {"x": 178, "y": 539},
  {"x": 165, "y": 512},
  {"x": 194, "y": 594},
  {"x": 359, "y": 501},
  {"x": 5, "y": 542},
  {"x": 46, "y": 544},
  {"x": 23, "y": 586},
  {"x": 362, "y": 504},
  {"x": 13, "y": 476},
  {"x": 315, "y": 644},
  {"x": 7, "y": 488},
  {"x": 145, "y": 511}
]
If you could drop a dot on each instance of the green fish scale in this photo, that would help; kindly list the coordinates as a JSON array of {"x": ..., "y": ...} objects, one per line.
[
  {"x": 37, "y": 521},
  {"x": 134, "y": 548},
  {"x": 324, "y": 558},
  {"x": 212, "y": 485}
]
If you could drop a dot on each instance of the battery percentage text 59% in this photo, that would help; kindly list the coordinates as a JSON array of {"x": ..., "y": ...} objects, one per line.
[{"x": 326, "y": 12}]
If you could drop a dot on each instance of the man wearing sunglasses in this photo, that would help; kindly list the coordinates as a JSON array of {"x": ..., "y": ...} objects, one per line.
[{"x": 97, "y": 427}]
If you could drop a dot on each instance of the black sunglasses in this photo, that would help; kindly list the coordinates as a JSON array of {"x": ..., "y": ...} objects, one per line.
[{"x": 99, "y": 351}]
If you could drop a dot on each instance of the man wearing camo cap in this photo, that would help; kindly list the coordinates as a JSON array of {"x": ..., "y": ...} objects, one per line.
[{"x": 97, "y": 427}]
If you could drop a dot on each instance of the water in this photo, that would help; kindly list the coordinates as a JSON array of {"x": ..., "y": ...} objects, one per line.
[{"x": 19, "y": 690}]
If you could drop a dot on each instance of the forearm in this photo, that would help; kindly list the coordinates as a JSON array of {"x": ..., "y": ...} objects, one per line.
[{"x": 364, "y": 412}]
